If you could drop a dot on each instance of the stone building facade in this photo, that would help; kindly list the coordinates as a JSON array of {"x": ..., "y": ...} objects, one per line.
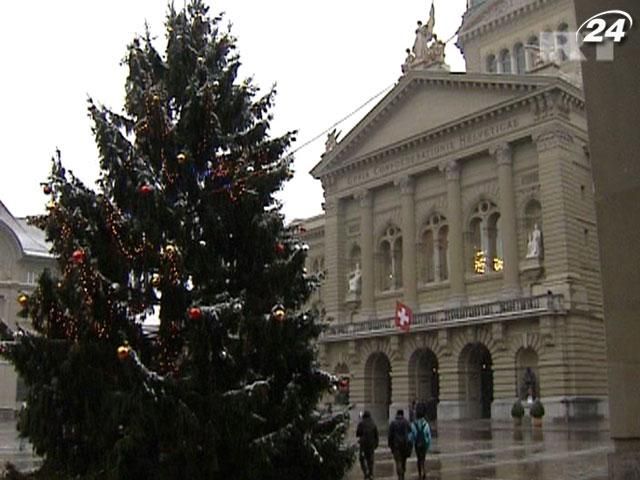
[
  {"x": 24, "y": 254},
  {"x": 468, "y": 198}
]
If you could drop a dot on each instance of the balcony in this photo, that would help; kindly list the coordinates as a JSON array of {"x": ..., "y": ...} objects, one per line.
[{"x": 501, "y": 310}]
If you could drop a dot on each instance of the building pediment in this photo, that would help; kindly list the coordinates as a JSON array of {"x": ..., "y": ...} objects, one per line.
[{"x": 421, "y": 102}]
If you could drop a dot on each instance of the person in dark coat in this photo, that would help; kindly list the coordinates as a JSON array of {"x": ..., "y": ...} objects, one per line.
[
  {"x": 400, "y": 443},
  {"x": 367, "y": 434}
]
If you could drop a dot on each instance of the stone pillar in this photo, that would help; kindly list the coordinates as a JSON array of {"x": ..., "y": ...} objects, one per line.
[
  {"x": 456, "y": 240},
  {"x": 451, "y": 405},
  {"x": 409, "y": 260},
  {"x": 399, "y": 381},
  {"x": 554, "y": 147},
  {"x": 334, "y": 287},
  {"x": 511, "y": 271},
  {"x": 613, "y": 113},
  {"x": 367, "y": 296}
]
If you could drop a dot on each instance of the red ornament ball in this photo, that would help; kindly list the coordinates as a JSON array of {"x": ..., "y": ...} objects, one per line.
[
  {"x": 280, "y": 248},
  {"x": 78, "y": 256},
  {"x": 195, "y": 313},
  {"x": 46, "y": 189},
  {"x": 146, "y": 189}
]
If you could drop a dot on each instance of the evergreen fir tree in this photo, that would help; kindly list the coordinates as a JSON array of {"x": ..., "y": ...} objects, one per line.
[{"x": 183, "y": 226}]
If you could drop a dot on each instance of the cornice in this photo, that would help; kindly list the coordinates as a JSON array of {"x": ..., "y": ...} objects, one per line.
[
  {"x": 479, "y": 28},
  {"x": 557, "y": 95}
]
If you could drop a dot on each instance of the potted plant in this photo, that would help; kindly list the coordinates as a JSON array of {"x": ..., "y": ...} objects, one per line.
[
  {"x": 517, "y": 412},
  {"x": 537, "y": 412}
]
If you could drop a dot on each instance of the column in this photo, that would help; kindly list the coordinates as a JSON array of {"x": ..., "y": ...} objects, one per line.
[
  {"x": 333, "y": 288},
  {"x": 367, "y": 308},
  {"x": 509, "y": 233},
  {"x": 409, "y": 260},
  {"x": 456, "y": 244}
]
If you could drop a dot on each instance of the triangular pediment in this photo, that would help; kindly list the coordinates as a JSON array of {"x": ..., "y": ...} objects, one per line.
[{"x": 423, "y": 101}]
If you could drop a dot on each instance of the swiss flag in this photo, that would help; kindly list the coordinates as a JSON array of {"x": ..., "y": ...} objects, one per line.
[{"x": 404, "y": 316}]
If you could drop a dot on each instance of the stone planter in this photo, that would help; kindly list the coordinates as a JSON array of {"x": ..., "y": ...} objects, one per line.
[{"x": 536, "y": 421}]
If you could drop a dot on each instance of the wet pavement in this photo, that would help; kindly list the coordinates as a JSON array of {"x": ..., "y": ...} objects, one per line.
[
  {"x": 470, "y": 450},
  {"x": 482, "y": 450},
  {"x": 13, "y": 450}
]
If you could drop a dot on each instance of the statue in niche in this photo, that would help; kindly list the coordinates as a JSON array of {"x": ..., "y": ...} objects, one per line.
[
  {"x": 355, "y": 281},
  {"x": 534, "y": 246},
  {"x": 529, "y": 386}
]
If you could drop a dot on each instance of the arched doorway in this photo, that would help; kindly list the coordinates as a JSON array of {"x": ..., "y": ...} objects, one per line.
[
  {"x": 476, "y": 380},
  {"x": 424, "y": 381},
  {"x": 377, "y": 387}
]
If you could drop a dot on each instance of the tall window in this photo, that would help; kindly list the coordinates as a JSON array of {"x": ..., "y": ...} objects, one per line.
[
  {"x": 533, "y": 51},
  {"x": 435, "y": 246},
  {"x": 391, "y": 259},
  {"x": 505, "y": 61},
  {"x": 561, "y": 42},
  {"x": 485, "y": 239},
  {"x": 521, "y": 66},
  {"x": 492, "y": 64}
]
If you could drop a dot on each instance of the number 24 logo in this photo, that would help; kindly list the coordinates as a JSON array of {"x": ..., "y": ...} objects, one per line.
[{"x": 596, "y": 25}]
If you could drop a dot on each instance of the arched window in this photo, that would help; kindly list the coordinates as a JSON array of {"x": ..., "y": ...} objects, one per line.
[
  {"x": 492, "y": 64},
  {"x": 533, "y": 52},
  {"x": 505, "y": 61},
  {"x": 429, "y": 272},
  {"x": 391, "y": 259},
  {"x": 485, "y": 239},
  {"x": 521, "y": 65},
  {"x": 435, "y": 259}
]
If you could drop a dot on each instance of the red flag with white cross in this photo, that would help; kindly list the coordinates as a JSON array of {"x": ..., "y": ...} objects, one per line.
[{"x": 404, "y": 317}]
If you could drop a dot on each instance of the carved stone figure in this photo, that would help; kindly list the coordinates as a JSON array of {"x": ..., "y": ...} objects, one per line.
[
  {"x": 436, "y": 51},
  {"x": 355, "y": 280},
  {"x": 534, "y": 246},
  {"x": 406, "y": 66},
  {"x": 332, "y": 140},
  {"x": 424, "y": 34}
]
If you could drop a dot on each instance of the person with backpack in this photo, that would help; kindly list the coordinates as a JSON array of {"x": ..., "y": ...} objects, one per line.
[
  {"x": 421, "y": 439},
  {"x": 367, "y": 434},
  {"x": 399, "y": 441}
]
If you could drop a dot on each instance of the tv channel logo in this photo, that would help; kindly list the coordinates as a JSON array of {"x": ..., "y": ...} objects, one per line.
[{"x": 604, "y": 30}]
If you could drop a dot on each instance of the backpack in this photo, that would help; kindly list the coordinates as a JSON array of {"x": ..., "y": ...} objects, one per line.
[{"x": 422, "y": 443}]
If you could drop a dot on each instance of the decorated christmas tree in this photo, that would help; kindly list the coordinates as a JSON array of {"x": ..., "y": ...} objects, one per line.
[{"x": 174, "y": 340}]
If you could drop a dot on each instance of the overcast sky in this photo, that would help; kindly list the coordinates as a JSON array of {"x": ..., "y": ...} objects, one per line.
[{"x": 327, "y": 58}]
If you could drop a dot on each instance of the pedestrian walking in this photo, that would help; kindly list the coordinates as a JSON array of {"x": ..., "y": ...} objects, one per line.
[
  {"x": 421, "y": 439},
  {"x": 367, "y": 434},
  {"x": 399, "y": 441}
]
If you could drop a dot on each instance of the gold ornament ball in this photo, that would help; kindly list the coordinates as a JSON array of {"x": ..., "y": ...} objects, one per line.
[
  {"x": 155, "y": 280},
  {"x": 182, "y": 158},
  {"x": 23, "y": 300},
  {"x": 279, "y": 313},
  {"x": 169, "y": 249},
  {"x": 123, "y": 352}
]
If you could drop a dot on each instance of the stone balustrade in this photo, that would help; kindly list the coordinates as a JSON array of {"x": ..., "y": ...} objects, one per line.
[{"x": 500, "y": 310}]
